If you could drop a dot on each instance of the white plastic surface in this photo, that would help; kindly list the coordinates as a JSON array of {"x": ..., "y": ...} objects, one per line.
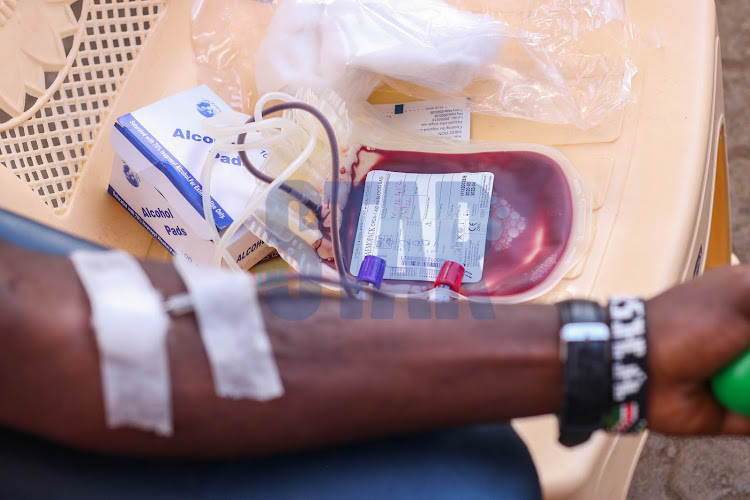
[{"x": 63, "y": 69}]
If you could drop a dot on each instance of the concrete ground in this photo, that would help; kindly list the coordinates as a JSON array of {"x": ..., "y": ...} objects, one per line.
[{"x": 713, "y": 469}]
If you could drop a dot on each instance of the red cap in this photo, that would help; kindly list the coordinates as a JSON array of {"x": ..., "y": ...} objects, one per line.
[{"x": 451, "y": 275}]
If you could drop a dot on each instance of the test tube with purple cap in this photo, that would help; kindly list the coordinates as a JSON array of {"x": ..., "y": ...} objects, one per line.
[{"x": 370, "y": 274}]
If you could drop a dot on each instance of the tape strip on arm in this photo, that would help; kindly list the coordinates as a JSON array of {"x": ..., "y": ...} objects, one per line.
[
  {"x": 130, "y": 325},
  {"x": 233, "y": 332}
]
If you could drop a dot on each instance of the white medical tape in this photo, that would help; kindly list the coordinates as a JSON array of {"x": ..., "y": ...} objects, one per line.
[
  {"x": 130, "y": 325},
  {"x": 233, "y": 332}
]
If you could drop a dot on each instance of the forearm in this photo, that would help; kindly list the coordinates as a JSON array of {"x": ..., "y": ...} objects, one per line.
[{"x": 344, "y": 379}]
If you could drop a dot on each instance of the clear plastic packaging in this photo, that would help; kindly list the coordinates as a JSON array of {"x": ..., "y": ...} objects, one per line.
[
  {"x": 539, "y": 223},
  {"x": 226, "y": 36},
  {"x": 554, "y": 61},
  {"x": 350, "y": 45},
  {"x": 538, "y": 215}
]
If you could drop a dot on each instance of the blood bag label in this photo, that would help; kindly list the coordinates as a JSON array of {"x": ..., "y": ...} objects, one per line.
[
  {"x": 440, "y": 118},
  {"x": 417, "y": 222}
]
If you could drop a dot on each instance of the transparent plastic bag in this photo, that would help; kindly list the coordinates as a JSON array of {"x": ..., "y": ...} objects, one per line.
[
  {"x": 349, "y": 45},
  {"x": 226, "y": 36},
  {"x": 539, "y": 224},
  {"x": 555, "y": 61},
  {"x": 563, "y": 61},
  {"x": 539, "y": 214},
  {"x": 271, "y": 213}
]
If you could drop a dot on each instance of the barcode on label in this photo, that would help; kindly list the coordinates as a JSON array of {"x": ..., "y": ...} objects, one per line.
[
  {"x": 422, "y": 262},
  {"x": 468, "y": 188}
]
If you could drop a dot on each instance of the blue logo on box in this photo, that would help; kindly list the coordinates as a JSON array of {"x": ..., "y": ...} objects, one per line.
[
  {"x": 131, "y": 176},
  {"x": 207, "y": 108}
]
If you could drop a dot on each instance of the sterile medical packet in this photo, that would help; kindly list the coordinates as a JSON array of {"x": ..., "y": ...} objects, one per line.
[{"x": 161, "y": 150}]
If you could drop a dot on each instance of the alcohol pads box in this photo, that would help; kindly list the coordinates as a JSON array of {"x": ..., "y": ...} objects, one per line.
[{"x": 161, "y": 150}]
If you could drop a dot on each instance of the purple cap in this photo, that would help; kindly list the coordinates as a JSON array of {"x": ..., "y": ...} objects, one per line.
[{"x": 372, "y": 270}]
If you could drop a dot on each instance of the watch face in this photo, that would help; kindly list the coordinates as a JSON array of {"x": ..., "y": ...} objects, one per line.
[{"x": 584, "y": 332}]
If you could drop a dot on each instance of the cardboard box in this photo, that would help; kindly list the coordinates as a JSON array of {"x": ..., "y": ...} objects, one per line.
[{"x": 161, "y": 150}]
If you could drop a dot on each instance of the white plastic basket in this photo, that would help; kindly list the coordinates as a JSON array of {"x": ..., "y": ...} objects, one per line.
[{"x": 68, "y": 62}]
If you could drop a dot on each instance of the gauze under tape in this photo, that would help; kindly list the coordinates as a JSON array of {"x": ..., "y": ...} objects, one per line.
[
  {"x": 130, "y": 324},
  {"x": 233, "y": 332}
]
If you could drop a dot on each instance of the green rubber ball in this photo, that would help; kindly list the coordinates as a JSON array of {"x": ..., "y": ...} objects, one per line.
[{"x": 731, "y": 386}]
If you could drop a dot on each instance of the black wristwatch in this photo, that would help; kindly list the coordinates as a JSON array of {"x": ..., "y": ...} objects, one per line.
[{"x": 586, "y": 355}]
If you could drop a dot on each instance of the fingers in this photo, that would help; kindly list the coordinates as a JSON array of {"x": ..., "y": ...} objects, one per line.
[
  {"x": 690, "y": 409},
  {"x": 734, "y": 281},
  {"x": 735, "y": 424},
  {"x": 700, "y": 327},
  {"x": 695, "y": 330},
  {"x": 706, "y": 416}
]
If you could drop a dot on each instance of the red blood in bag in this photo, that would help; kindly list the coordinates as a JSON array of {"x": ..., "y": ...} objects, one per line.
[{"x": 530, "y": 221}]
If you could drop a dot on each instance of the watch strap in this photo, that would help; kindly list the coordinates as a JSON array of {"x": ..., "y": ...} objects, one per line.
[{"x": 586, "y": 354}]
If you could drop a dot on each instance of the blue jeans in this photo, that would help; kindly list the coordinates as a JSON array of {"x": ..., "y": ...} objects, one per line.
[{"x": 482, "y": 462}]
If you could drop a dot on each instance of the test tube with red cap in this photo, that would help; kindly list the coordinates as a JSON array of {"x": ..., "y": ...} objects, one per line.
[
  {"x": 371, "y": 273},
  {"x": 450, "y": 277}
]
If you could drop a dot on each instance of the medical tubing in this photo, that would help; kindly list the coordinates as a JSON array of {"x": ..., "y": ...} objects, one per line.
[
  {"x": 223, "y": 243},
  {"x": 278, "y": 125},
  {"x": 304, "y": 200},
  {"x": 182, "y": 303},
  {"x": 221, "y": 132},
  {"x": 321, "y": 280},
  {"x": 208, "y": 214},
  {"x": 266, "y": 98},
  {"x": 365, "y": 288}
]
